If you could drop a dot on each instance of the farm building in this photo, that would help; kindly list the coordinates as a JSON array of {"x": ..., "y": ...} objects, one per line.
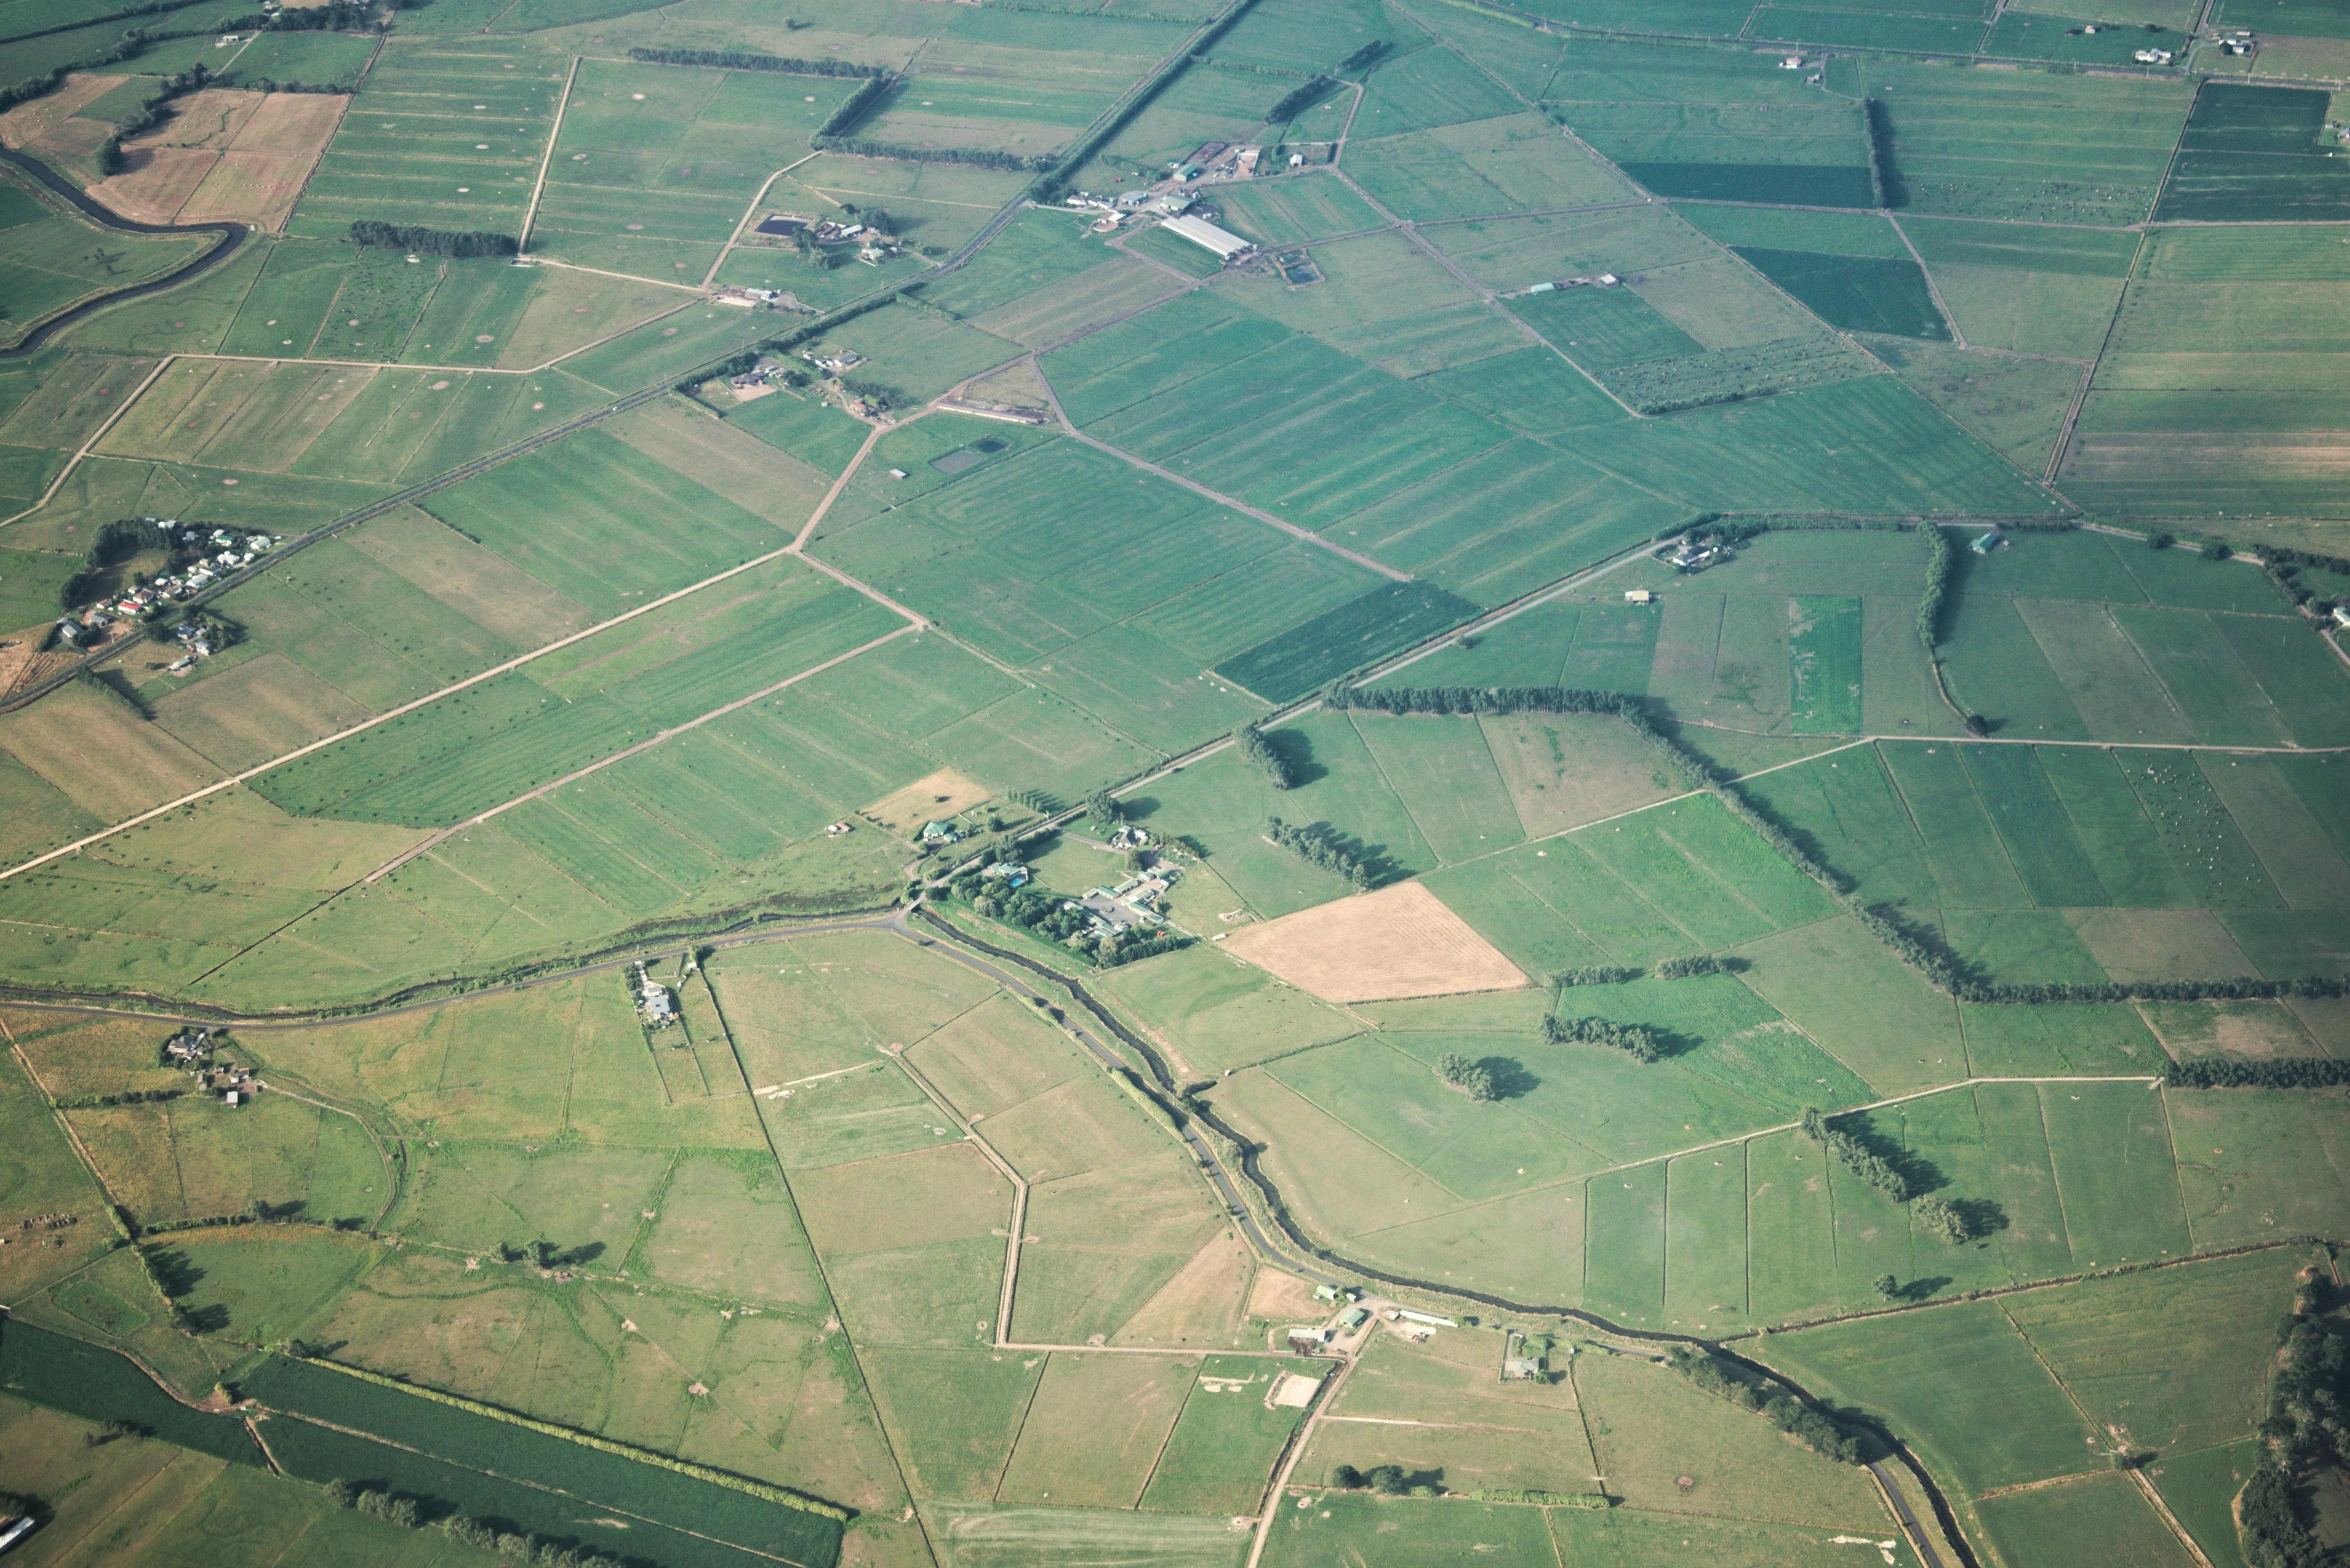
[
  {"x": 1203, "y": 233},
  {"x": 1638, "y": 596}
]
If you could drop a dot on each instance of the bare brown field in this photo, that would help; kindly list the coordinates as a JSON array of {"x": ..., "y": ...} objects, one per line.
[
  {"x": 157, "y": 183},
  {"x": 264, "y": 169},
  {"x": 1282, "y": 1298},
  {"x": 1400, "y": 941},
  {"x": 927, "y": 800},
  {"x": 28, "y": 124},
  {"x": 223, "y": 155}
]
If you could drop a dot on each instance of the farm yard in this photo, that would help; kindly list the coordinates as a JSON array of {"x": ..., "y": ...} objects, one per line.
[{"x": 820, "y": 839}]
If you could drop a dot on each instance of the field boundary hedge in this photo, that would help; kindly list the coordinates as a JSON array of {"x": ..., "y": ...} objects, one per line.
[
  {"x": 767, "y": 1491},
  {"x": 1921, "y": 951}
]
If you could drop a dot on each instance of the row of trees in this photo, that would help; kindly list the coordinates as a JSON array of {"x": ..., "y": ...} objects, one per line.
[
  {"x": 1260, "y": 754},
  {"x": 417, "y": 240},
  {"x": 1940, "y": 558},
  {"x": 152, "y": 111},
  {"x": 907, "y": 152},
  {"x": 1319, "y": 844},
  {"x": 1943, "y": 1220},
  {"x": 1637, "y": 1041},
  {"x": 408, "y": 1513},
  {"x": 1599, "y": 974},
  {"x": 1300, "y": 98},
  {"x": 2308, "y": 1424},
  {"x": 1815, "y": 1430},
  {"x": 2289, "y": 1072},
  {"x": 749, "y": 60}
]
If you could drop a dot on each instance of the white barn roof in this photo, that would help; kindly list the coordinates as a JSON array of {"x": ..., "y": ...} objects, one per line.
[{"x": 1201, "y": 232}]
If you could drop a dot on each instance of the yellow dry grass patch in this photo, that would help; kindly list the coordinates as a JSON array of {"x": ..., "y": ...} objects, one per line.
[
  {"x": 1201, "y": 1305},
  {"x": 1283, "y": 1298},
  {"x": 31, "y": 122},
  {"x": 927, "y": 800},
  {"x": 95, "y": 747},
  {"x": 721, "y": 458},
  {"x": 1375, "y": 947}
]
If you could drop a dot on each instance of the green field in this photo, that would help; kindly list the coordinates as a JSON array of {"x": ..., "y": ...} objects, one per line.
[{"x": 553, "y": 842}]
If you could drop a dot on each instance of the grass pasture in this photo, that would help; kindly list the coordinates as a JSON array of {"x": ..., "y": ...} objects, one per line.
[
  {"x": 414, "y": 151},
  {"x": 50, "y": 260},
  {"x": 2252, "y": 153}
]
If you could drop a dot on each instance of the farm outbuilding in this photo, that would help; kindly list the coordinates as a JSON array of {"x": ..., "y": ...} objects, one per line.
[{"x": 1201, "y": 232}]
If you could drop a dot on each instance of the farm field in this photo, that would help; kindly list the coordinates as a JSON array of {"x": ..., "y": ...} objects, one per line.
[{"x": 892, "y": 868}]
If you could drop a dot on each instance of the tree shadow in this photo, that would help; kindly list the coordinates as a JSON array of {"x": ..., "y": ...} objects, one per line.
[
  {"x": 1923, "y": 1289},
  {"x": 175, "y": 1272},
  {"x": 291, "y": 1209},
  {"x": 1508, "y": 1077},
  {"x": 1983, "y": 1216},
  {"x": 1296, "y": 749},
  {"x": 1922, "y": 1174}
]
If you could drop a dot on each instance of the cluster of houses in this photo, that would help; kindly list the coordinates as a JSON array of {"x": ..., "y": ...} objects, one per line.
[
  {"x": 210, "y": 559},
  {"x": 225, "y": 1081},
  {"x": 1114, "y": 911}
]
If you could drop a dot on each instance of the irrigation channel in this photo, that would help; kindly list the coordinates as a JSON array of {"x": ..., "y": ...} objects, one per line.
[
  {"x": 233, "y": 237},
  {"x": 1282, "y": 1243}
]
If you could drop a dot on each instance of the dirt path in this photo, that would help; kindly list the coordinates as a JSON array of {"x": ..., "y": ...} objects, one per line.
[{"x": 547, "y": 158}]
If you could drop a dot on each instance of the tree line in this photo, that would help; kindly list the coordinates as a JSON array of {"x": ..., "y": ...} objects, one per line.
[
  {"x": 750, "y": 60},
  {"x": 2289, "y": 1072},
  {"x": 1940, "y": 558},
  {"x": 400, "y": 1509},
  {"x": 1637, "y": 1041},
  {"x": 1259, "y": 753},
  {"x": 1944, "y": 1220},
  {"x": 907, "y": 152},
  {"x": 417, "y": 240},
  {"x": 1815, "y": 1430},
  {"x": 2308, "y": 1425},
  {"x": 1300, "y": 98},
  {"x": 1319, "y": 844}
]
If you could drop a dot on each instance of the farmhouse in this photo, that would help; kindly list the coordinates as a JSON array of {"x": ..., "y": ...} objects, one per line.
[
  {"x": 1200, "y": 232},
  {"x": 654, "y": 1005}
]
